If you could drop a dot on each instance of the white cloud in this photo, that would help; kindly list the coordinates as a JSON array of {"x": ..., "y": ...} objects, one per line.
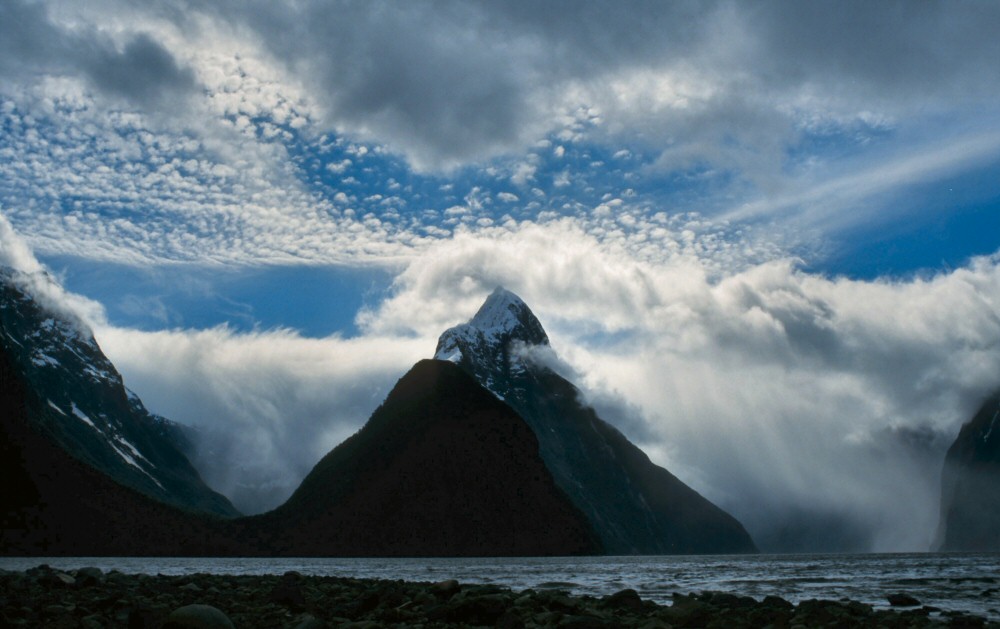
[
  {"x": 269, "y": 405},
  {"x": 806, "y": 405}
]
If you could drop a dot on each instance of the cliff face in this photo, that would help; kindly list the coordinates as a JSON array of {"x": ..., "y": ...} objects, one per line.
[
  {"x": 442, "y": 468},
  {"x": 970, "y": 485}
]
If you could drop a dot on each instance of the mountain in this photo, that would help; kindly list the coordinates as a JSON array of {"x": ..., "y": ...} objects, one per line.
[
  {"x": 72, "y": 397},
  {"x": 442, "y": 468},
  {"x": 633, "y": 505},
  {"x": 55, "y": 504},
  {"x": 970, "y": 484}
]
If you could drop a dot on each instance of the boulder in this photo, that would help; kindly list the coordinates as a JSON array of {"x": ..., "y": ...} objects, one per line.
[{"x": 197, "y": 617}]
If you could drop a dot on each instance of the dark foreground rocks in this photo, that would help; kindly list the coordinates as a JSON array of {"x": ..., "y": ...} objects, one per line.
[{"x": 90, "y": 599}]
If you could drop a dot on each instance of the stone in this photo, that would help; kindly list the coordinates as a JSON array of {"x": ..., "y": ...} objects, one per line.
[
  {"x": 197, "y": 617},
  {"x": 288, "y": 594},
  {"x": 57, "y": 579},
  {"x": 584, "y": 622},
  {"x": 308, "y": 621},
  {"x": 625, "y": 599},
  {"x": 510, "y": 620},
  {"x": 902, "y": 600},
  {"x": 446, "y": 589},
  {"x": 89, "y": 576},
  {"x": 481, "y": 610}
]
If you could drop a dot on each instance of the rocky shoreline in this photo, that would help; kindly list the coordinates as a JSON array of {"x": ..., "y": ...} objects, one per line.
[{"x": 92, "y": 599}]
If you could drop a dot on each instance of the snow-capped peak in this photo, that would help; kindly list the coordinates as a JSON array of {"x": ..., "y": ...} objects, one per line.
[{"x": 503, "y": 319}]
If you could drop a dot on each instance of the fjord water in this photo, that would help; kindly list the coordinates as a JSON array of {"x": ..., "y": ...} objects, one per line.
[{"x": 955, "y": 582}]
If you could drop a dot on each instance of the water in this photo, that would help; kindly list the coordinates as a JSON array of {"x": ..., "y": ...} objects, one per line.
[{"x": 959, "y": 582}]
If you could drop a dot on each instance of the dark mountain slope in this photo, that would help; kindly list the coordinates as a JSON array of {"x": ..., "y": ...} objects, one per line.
[
  {"x": 83, "y": 406},
  {"x": 442, "y": 468},
  {"x": 634, "y": 505},
  {"x": 970, "y": 484},
  {"x": 55, "y": 504}
]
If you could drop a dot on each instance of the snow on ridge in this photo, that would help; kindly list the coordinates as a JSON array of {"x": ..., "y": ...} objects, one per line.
[
  {"x": 131, "y": 461},
  {"x": 41, "y": 359},
  {"x": 502, "y": 316},
  {"x": 57, "y": 409},
  {"x": 132, "y": 449},
  {"x": 83, "y": 417}
]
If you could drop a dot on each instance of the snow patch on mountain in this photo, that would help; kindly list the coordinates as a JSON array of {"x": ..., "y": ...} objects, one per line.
[
  {"x": 503, "y": 318},
  {"x": 84, "y": 417}
]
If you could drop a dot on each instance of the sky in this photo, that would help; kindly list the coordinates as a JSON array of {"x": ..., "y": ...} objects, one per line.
[{"x": 763, "y": 237}]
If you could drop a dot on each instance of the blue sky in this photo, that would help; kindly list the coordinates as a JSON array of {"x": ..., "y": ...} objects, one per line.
[{"x": 304, "y": 195}]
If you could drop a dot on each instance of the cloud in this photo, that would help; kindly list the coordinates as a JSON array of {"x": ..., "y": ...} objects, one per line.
[
  {"x": 143, "y": 71},
  {"x": 15, "y": 254},
  {"x": 274, "y": 131},
  {"x": 267, "y": 405},
  {"x": 825, "y": 202},
  {"x": 792, "y": 399},
  {"x": 451, "y": 82}
]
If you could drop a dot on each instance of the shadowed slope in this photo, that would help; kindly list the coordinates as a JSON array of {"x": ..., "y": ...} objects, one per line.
[
  {"x": 442, "y": 468},
  {"x": 55, "y": 504},
  {"x": 84, "y": 407},
  {"x": 970, "y": 484}
]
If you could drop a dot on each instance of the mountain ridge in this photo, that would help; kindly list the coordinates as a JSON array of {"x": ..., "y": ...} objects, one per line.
[
  {"x": 635, "y": 506},
  {"x": 84, "y": 406}
]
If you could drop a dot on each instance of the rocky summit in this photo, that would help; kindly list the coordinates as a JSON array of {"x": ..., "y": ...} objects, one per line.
[
  {"x": 633, "y": 505},
  {"x": 970, "y": 484}
]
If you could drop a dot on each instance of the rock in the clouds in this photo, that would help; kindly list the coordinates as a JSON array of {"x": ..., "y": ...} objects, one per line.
[{"x": 60, "y": 387}]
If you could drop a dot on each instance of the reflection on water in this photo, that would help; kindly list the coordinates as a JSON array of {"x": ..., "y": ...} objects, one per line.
[{"x": 965, "y": 582}]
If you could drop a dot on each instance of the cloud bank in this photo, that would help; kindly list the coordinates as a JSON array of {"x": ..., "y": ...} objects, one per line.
[
  {"x": 816, "y": 409},
  {"x": 266, "y": 406}
]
